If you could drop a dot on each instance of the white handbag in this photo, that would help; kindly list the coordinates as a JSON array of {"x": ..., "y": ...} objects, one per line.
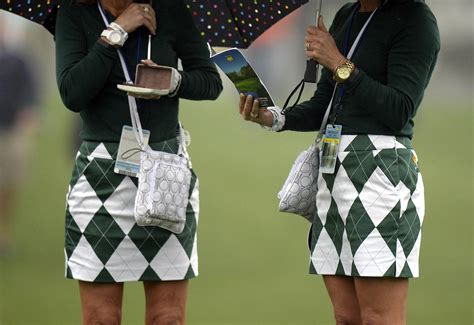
[
  {"x": 164, "y": 179},
  {"x": 163, "y": 188},
  {"x": 298, "y": 194}
]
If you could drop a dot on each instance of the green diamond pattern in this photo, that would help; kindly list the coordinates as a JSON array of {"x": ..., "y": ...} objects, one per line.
[
  {"x": 358, "y": 225},
  {"x": 359, "y": 165},
  {"x": 410, "y": 228},
  {"x": 104, "y": 235},
  {"x": 387, "y": 162},
  {"x": 361, "y": 143},
  {"x": 389, "y": 228},
  {"x": 101, "y": 177},
  {"x": 73, "y": 234},
  {"x": 104, "y": 276},
  {"x": 335, "y": 226},
  {"x": 149, "y": 240}
]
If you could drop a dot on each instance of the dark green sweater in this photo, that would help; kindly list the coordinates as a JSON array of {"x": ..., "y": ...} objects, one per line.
[
  {"x": 88, "y": 72},
  {"x": 395, "y": 58}
]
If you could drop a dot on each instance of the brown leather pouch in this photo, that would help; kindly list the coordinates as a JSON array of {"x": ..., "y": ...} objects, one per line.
[{"x": 153, "y": 77}]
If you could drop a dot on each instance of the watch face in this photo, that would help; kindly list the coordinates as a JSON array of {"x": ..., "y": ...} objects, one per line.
[
  {"x": 344, "y": 73},
  {"x": 115, "y": 37}
]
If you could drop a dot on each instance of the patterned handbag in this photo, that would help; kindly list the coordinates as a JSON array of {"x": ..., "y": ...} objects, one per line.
[
  {"x": 163, "y": 188},
  {"x": 298, "y": 194}
]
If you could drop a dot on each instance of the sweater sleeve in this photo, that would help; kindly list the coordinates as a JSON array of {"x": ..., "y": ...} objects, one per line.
[
  {"x": 200, "y": 79},
  {"x": 411, "y": 61},
  {"x": 80, "y": 74}
]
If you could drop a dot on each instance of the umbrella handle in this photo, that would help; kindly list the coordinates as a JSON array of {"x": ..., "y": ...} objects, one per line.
[{"x": 312, "y": 66}]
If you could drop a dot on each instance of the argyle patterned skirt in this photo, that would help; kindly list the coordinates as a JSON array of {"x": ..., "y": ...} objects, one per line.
[
  {"x": 103, "y": 242},
  {"x": 370, "y": 211}
]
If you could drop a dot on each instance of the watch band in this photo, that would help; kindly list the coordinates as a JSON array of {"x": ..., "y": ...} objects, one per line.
[
  {"x": 346, "y": 65},
  {"x": 119, "y": 29}
]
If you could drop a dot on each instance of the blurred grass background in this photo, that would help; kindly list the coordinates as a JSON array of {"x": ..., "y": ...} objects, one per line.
[{"x": 253, "y": 259}]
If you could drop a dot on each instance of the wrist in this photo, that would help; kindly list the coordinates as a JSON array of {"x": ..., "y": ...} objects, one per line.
[
  {"x": 337, "y": 63},
  {"x": 115, "y": 35},
  {"x": 278, "y": 121},
  {"x": 176, "y": 83}
]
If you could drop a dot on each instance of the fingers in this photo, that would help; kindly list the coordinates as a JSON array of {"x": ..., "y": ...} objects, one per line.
[
  {"x": 150, "y": 18},
  {"x": 322, "y": 26},
  {"x": 249, "y": 108},
  {"x": 149, "y": 63},
  {"x": 255, "y": 109},
  {"x": 137, "y": 15},
  {"x": 242, "y": 104},
  {"x": 312, "y": 30}
]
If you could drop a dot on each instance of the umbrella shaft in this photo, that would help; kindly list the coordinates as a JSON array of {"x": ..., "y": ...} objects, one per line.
[{"x": 148, "y": 56}]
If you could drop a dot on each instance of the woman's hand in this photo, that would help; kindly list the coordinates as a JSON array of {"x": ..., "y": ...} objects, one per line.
[
  {"x": 137, "y": 15},
  {"x": 321, "y": 46},
  {"x": 251, "y": 111}
]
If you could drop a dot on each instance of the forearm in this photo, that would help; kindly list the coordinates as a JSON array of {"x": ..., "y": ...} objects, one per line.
[
  {"x": 95, "y": 67},
  {"x": 203, "y": 84},
  {"x": 389, "y": 105},
  {"x": 309, "y": 115}
]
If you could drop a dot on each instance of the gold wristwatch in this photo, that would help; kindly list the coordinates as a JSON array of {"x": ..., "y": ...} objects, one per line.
[{"x": 343, "y": 72}]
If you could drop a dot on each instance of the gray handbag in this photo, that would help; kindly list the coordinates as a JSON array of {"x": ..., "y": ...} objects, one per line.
[
  {"x": 298, "y": 194},
  {"x": 163, "y": 188}
]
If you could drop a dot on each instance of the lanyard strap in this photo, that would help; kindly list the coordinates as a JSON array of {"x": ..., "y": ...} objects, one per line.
[
  {"x": 132, "y": 103},
  {"x": 349, "y": 57}
]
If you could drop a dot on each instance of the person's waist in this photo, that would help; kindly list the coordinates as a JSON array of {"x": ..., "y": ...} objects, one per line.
[
  {"x": 109, "y": 150},
  {"x": 368, "y": 142}
]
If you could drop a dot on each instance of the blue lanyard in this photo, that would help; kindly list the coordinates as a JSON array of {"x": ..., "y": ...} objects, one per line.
[{"x": 341, "y": 93}]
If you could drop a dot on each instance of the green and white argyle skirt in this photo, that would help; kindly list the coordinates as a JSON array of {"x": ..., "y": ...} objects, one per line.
[
  {"x": 370, "y": 211},
  {"x": 103, "y": 242}
]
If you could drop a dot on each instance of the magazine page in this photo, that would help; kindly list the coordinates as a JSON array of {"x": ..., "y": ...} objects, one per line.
[{"x": 234, "y": 64}]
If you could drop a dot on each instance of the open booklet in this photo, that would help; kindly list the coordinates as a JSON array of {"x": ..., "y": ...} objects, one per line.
[{"x": 240, "y": 72}]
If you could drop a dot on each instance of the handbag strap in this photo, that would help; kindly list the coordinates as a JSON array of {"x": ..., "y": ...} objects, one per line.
[
  {"x": 132, "y": 103},
  {"x": 349, "y": 57}
]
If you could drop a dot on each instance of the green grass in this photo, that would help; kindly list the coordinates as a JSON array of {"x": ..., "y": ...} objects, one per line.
[
  {"x": 253, "y": 260},
  {"x": 251, "y": 84}
]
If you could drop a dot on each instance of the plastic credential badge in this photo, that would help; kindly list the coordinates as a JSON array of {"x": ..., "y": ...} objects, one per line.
[
  {"x": 128, "y": 156},
  {"x": 330, "y": 148}
]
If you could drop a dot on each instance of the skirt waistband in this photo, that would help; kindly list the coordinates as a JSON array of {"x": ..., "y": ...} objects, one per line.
[
  {"x": 373, "y": 142},
  {"x": 108, "y": 150}
]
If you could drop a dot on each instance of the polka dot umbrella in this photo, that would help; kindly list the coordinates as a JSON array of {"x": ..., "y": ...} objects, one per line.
[
  {"x": 223, "y": 23},
  {"x": 237, "y": 23},
  {"x": 39, "y": 11}
]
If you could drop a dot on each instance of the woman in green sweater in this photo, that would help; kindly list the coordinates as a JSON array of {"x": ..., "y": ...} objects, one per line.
[
  {"x": 366, "y": 232},
  {"x": 104, "y": 246}
]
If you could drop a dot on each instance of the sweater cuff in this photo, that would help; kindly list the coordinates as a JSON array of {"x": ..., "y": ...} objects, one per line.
[
  {"x": 106, "y": 49},
  {"x": 354, "y": 81},
  {"x": 278, "y": 119}
]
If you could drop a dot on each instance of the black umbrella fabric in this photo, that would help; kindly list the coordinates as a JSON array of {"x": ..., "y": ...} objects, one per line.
[
  {"x": 39, "y": 11},
  {"x": 237, "y": 23},
  {"x": 224, "y": 23}
]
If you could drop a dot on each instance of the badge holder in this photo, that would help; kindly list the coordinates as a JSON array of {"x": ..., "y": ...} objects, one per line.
[
  {"x": 150, "y": 81},
  {"x": 330, "y": 148}
]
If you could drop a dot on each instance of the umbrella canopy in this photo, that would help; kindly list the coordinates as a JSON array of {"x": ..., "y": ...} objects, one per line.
[
  {"x": 237, "y": 23},
  {"x": 39, "y": 11},
  {"x": 224, "y": 23}
]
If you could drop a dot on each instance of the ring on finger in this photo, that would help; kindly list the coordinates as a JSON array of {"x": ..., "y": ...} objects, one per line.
[
  {"x": 254, "y": 115},
  {"x": 146, "y": 9},
  {"x": 307, "y": 46}
]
